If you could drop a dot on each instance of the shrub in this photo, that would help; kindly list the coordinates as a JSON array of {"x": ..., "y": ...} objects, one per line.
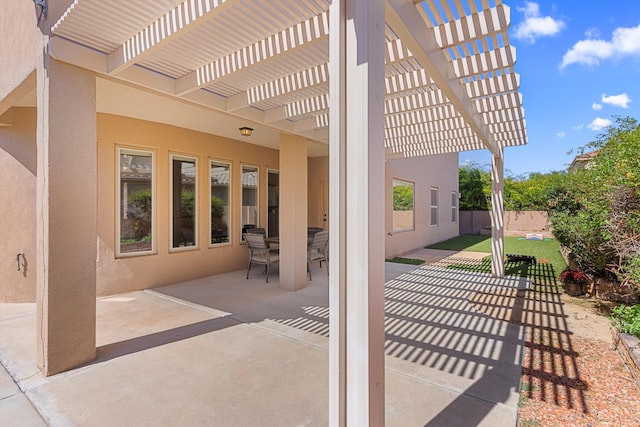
[
  {"x": 626, "y": 319},
  {"x": 596, "y": 211},
  {"x": 139, "y": 210},
  {"x": 217, "y": 207},
  {"x": 573, "y": 276}
]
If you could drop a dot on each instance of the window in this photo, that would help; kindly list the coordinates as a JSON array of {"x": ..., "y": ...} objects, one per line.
[
  {"x": 273, "y": 203},
  {"x": 220, "y": 193},
  {"x": 434, "y": 206},
  {"x": 183, "y": 201},
  {"x": 454, "y": 206},
  {"x": 249, "y": 197},
  {"x": 402, "y": 205},
  {"x": 135, "y": 202}
]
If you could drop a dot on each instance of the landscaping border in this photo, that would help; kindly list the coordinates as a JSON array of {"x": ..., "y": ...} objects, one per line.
[{"x": 628, "y": 346}]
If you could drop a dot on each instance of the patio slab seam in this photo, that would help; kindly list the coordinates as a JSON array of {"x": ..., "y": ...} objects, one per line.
[
  {"x": 237, "y": 318},
  {"x": 190, "y": 304}
]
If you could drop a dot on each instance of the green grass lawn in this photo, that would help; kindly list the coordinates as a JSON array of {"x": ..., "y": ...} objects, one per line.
[{"x": 543, "y": 250}]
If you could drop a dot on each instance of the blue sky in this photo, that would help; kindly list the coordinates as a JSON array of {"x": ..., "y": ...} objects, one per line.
[{"x": 579, "y": 65}]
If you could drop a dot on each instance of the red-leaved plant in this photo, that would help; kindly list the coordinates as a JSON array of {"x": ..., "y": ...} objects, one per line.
[{"x": 573, "y": 276}]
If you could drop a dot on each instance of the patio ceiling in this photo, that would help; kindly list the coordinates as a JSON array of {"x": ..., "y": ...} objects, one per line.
[{"x": 450, "y": 81}]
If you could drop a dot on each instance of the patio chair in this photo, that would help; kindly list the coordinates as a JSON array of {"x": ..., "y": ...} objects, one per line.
[
  {"x": 257, "y": 231},
  {"x": 311, "y": 231},
  {"x": 317, "y": 250},
  {"x": 259, "y": 252}
]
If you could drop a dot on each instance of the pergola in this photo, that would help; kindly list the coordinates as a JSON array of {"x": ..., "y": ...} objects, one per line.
[{"x": 394, "y": 78}]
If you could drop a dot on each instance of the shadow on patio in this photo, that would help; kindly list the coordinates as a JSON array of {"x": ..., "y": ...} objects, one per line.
[
  {"x": 464, "y": 365},
  {"x": 253, "y": 354}
]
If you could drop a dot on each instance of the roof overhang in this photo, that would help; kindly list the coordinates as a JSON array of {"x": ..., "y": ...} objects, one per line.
[{"x": 449, "y": 79}]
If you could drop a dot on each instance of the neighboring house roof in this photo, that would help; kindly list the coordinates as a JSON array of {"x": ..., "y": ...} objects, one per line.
[
  {"x": 450, "y": 83},
  {"x": 582, "y": 160}
]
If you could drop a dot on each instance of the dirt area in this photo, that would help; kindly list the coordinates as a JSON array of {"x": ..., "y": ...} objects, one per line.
[{"x": 571, "y": 373}]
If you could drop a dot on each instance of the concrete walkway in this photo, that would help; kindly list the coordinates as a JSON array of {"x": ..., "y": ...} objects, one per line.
[{"x": 227, "y": 351}]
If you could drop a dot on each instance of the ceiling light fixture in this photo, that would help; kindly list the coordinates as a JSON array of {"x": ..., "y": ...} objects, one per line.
[{"x": 245, "y": 131}]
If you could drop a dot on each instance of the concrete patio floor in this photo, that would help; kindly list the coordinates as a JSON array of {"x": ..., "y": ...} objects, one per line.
[{"x": 227, "y": 351}]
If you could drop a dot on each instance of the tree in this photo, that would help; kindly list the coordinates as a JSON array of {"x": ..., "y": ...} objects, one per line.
[
  {"x": 596, "y": 212},
  {"x": 403, "y": 198},
  {"x": 139, "y": 211},
  {"x": 475, "y": 188},
  {"x": 532, "y": 192},
  {"x": 529, "y": 192}
]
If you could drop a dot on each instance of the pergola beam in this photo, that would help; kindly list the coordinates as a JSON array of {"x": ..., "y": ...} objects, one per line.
[
  {"x": 409, "y": 25},
  {"x": 280, "y": 88},
  {"x": 303, "y": 33},
  {"x": 477, "y": 25},
  {"x": 185, "y": 17}
]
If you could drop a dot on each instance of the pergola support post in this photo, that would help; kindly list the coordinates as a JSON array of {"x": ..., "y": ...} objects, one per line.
[
  {"x": 356, "y": 214},
  {"x": 293, "y": 214},
  {"x": 497, "y": 213},
  {"x": 66, "y": 212}
]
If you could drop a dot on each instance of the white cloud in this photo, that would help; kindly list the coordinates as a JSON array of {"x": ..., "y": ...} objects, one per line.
[
  {"x": 535, "y": 25},
  {"x": 577, "y": 127},
  {"x": 621, "y": 100},
  {"x": 592, "y": 33},
  {"x": 599, "y": 124},
  {"x": 596, "y": 106},
  {"x": 624, "y": 42},
  {"x": 561, "y": 135}
]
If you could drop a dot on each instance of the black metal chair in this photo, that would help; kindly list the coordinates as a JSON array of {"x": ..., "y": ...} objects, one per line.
[{"x": 259, "y": 252}]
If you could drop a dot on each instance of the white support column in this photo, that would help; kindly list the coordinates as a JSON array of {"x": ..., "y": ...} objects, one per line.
[
  {"x": 66, "y": 216},
  {"x": 497, "y": 214},
  {"x": 293, "y": 212},
  {"x": 356, "y": 215}
]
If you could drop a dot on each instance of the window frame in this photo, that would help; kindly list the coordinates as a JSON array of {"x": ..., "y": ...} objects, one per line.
[
  {"x": 454, "y": 207},
  {"x": 266, "y": 184},
  {"x": 436, "y": 206},
  {"x": 121, "y": 149},
  {"x": 187, "y": 158},
  {"x": 229, "y": 164},
  {"x": 412, "y": 184},
  {"x": 257, "y": 169}
]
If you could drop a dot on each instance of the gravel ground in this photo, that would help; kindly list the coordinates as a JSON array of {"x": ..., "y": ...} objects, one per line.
[{"x": 572, "y": 375}]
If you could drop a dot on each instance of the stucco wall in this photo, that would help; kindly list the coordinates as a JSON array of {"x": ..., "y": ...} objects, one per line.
[
  {"x": 22, "y": 50},
  {"x": 125, "y": 274},
  {"x": 17, "y": 212},
  {"x": 318, "y": 195},
  {"x": 516, "y": 223},
  {"x": 432, "y": 171}
]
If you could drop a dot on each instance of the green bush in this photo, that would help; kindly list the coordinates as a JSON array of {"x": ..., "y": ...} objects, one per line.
[
  {"x": 403, "y": 198},
  {"x": 139, "y": 211},
  {"x": 596, "y": 211},
  {"x": 217, "y": 207},
  {"x": 187, "y": 204},
  {"x": 626, "y": 318}
]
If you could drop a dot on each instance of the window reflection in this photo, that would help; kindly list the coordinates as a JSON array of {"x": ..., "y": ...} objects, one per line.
[
  {"x": 220, "y": 196},
  {"x": 135, "y": 201},
  {"x": 403, "y": 202},
  {"x": 183, "y": 201}
]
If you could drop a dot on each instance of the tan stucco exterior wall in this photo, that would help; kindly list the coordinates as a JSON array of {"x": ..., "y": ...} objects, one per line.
[
  {"x": 116, "y": 275},
  {"x": 22, "y": 49},
  {"x": 128, "y": 273},
  {"x": 318, "y": 197},
  {"x": 17, "y": 212},
  {"x": 425, "y": 172}
]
